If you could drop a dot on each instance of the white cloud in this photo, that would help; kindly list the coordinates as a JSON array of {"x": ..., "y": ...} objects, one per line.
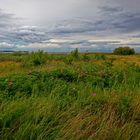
[
  {"x": 5, "y": 45},
  {"x": 38, "y": 46}
]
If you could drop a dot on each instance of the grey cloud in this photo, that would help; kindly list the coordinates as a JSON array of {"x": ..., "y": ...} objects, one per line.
[
  {"x": 14, "y": 33},
  {"x": 110, "y": 9},
  {"x": 96, "y": 18},
  {"x": 113, "y": 19},
  {"x": 136, "y": 35},
  {"x": 118, "y": 20},
  {"x": 30, "y": 34},
  {"x": 128, "y": 5}
]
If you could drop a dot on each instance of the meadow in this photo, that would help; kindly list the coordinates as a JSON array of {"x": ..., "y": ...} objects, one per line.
[{"x": 75, "y": 96}]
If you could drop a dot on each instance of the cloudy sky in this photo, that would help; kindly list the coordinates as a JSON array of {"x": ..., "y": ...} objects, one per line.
[{"x": 62, "y": 25}]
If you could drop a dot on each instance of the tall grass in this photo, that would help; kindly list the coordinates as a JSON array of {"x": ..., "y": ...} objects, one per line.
[{"x": 78, "y": 102}]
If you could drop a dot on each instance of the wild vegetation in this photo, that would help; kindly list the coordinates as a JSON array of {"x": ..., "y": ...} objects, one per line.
[
  {"x": 71, "y": 96},
  {"x": 124, "y": 51}
]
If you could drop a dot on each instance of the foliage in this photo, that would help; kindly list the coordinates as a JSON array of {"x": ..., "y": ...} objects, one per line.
[
  {"x": 86, "y": 57},
  {"x": 124, "y": 51},
  {"x": 75, "y": 53},
  {"x": 72, "y": 56},
  {"x": 84, "y": 100},
  {"x": 16, "y": 57},
  {"x": 65, "y": 74},
  {"x": 35, "y": 59},
  {"x": 100, "y": 57},
  {"x": 69, "y": 59}
]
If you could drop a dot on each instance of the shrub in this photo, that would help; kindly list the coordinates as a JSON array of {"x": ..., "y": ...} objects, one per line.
[
  {"x": 38, "y": 58},
  {"x": 86, "y": 57},
  {"x": 35, "y": 59},
  {"x": 75, "y": 53},
  {"x": 65, "y": 74},
  {"x": 124, "y": 51},
  {"x": 100, "y": 57},
  {"x": 69, "y": 59}
]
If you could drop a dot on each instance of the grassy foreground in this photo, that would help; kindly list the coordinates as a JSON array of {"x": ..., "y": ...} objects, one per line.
[{"x": 69, "y": 97}]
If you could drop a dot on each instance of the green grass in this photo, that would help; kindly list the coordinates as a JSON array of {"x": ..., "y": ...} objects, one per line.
[{"x": 54, "y": 100}]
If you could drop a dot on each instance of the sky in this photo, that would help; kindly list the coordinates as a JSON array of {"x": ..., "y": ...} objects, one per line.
[{"x": 62, "y": 25}]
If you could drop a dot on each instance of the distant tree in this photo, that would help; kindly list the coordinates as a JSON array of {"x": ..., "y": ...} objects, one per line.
[{"x": 124, "y": 51}]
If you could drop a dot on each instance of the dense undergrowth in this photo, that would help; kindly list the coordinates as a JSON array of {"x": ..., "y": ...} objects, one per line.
[{"x": 77, "y": 102}]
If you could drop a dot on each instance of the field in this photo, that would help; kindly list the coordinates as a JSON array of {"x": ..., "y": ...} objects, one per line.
[{"x": 74, "y": 96}]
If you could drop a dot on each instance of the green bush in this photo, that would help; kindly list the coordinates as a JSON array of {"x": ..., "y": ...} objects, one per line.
[
  {"x": 100, "y": 57},
  {"x": 75, "y": 53},
  {"x": 124, "y": 51},
  {"x": 86, "y": 57},
  {"x": 35, "y": 59},
  {"x": 65, "y": 74},
  {"x": 69, "y": 59},
  {"x": 38, "y": 58}
]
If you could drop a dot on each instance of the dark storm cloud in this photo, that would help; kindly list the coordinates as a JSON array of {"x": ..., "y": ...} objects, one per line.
[
  {"x": 112, "y": 19},
  {"x": 117, "y": 18}
]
